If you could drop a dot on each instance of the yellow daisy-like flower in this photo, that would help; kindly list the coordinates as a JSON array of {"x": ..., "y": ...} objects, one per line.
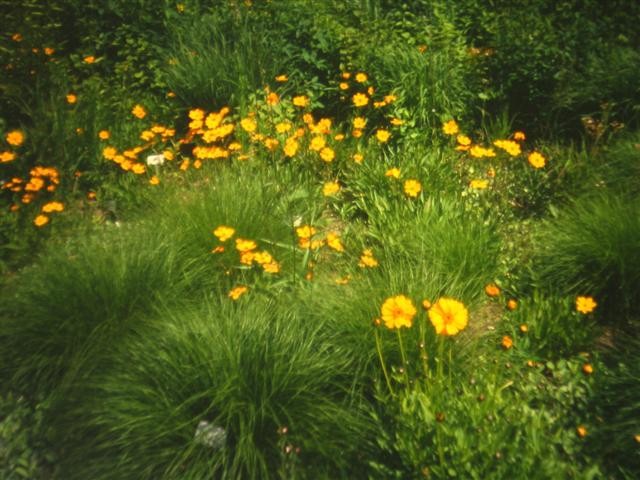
[
  {"x": 7, "y": 156},
  {"x": 139, "y": 112},
  {"x": 89, "y": 59},
  {"x": 412, "y": 188},
  {"x": 301, "y": 101},
  {"x": 334, "y": 242},
  {"x": 519, "y": 136},
  {"x": 492, "y": 290},
  {"x": 367, "y": 260},
  {"x": 359, "y": 122},
  {"x": 248, "y": 124},
  {"x": 383, "y": 135},
  {"x": 15, "y": 138},
  {"x": 291, "y": 146},
  {"x": 509, "y": 146},
  {"x": 585, "y": 304},
  {"x": 104, "y": 135},
  {"x": 196, "y": 114},
  {"x": 463, "y": 140},
  {"x": 398, "y": 312},
  {"x": 344, "y": 86},
  {"x": 448, "y": 316},
  {"x": 154, "y": 180},
  {"x": 360, "y": 100},
  {"x": 358, "y": 157},
  {"x": 536, "y": 160},
  {"x": 52, "y": 207},
  {"x": 305, "y": 231},
  {"x": 317, "y": 143},
  {"x": 450, "y": 127},
  {"x": 282, "y": 78},
  {"x": 71, "y": 98},
  {"x": 224, "y": 233},
  {"x": 327, "y": 154},
  {"x": 392, "y": 172},
  {"x": 243, "y": 245},
  {"x": 138, "y": 168},
  {"x": 330, "y": 188},
  {"x": 41, "y": 220},
  {"x": 507, "y": 342},
  {"x": 361, "y": 77},
  {"x": 237, "y": 292}
]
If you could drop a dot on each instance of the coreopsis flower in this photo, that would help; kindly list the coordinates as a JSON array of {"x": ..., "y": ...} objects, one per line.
[
  {"x": 305, "y": 232},
  {"x": 282, "y": 78},
  {"x": 196, "y": 114},
  {"x": 104, "y": 135},
  {"x": 317, "y": 143},
  {"x": 7, "y": 156},
  {"x": 273, "y": 98},
  {"x": 237, "y": 292},
  {"x": 507, "y": 342},
  {"x": 492, "y": 290},
  {"x": 359, "y": 122},
  {"x": 301, "y": 101},
  {"x": 358, "y": 157},
  {"x": 587, "y": 369},
  {"x": 392, "y": 172},
  {"x": 283, "y": 127},
  {"x": 248, "y": 124},
  {"x": 398, "y": 312},
  {"x": 154, "y": 180},
  {"x": 448, "y": 316},
  {"x": 139, "y": 112},
  {"x": 509, "y": 146},
  {"x": 383, "y": 135},
  {"x": 450, "y": 127},
  {"x": 71, "y": 98},
  {"x": 109, "y": 153},
  {"x": 463, "y": 141},
  {"x": 41, "y": 221},
  {"x": 273, "y": 267},
  {"x": 536, "y": 160},
  {"x": 360, "y": 99},
  {"x": 479, "y": 184},
  {"x": 334, "y": 242},
  {"x": 524, "y": 328},
  {"x": 361, "y": 77},
  {"x": 15, "y": 138},
  {"x": 89, "y": 59},
  {"x": 138, "y": 168},
  {"x": 585, "y": 304},
  {"x": 412, "y": 188},
  {"x": 396, "y": 122},
  {"x": 327, "y": 154},
  {"x": 480, "y": 152},
  {"x": 243, "y": 245},
  {"x": 367, "y": 260},
  {"x": 330, "y": 188},
  {"x": 224, "y": 233},
  {"x": 51, "y": 207},
  {"x": 291, "y": 146},
  {"x": 356, "y": 133},
  {"x": 519, "y": 136},
  {"x": 512, "y": 304},
  {"x": 343, "y": 86},
  {"x": 581, "y": 431}
]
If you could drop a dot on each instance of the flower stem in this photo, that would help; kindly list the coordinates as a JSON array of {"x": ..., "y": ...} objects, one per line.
[
  {"x": 384, "y": 368},
  {"x": 405, "y": 364}
]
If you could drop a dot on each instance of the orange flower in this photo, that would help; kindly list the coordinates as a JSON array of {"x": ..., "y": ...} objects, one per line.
[
  {"x": 237, "y": 292},
  {"x": 448, "y": 316},
  {"x": 139, "y": 112},
  {"x": 89, "y": 59},
  {"x": 492, "y": 290},
  {"x": 587, "y": 369},
  {"x": 398, "y": 312},
  {"x": 512, "y": 304},
  {"x": 507, "y": 342},
  {"x": 104, "y": 135},
  {"x": 41, "y": 221},
  {"x": 15, "y": 138}
]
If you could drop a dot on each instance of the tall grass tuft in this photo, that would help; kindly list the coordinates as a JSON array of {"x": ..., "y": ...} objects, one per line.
[
  {"x": 266, "y": 382},
  {"x": 592, "y": 247}
]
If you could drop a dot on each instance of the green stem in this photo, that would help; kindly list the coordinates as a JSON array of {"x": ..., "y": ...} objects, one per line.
[
  {"x": 423, "y": 352},
  {"x": 384, "y": 368},
  {"x": 405, "y": 364}
]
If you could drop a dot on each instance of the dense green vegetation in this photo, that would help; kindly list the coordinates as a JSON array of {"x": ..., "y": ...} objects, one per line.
[{"x": 319, "y": 239}]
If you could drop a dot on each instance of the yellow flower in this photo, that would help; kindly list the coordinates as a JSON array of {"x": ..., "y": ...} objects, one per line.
[
  {"x": 359, "y": 122},
  {"x": 585, "y": 304},
  {"x": 509, "y": 146},
  {"x": 448, "y": 316},
  {"x": 89, "y": 59},
  {"x": 317, "y": 143},
  {"x": 138, "y": 168},
  {"x": 7, "y": 157},
  {"x": 361, "y": 77},
  {"x": 237, "y": 292},
  {"x": 398, "y": 312},
  {"x": 248, "y": 124},
  {"x": 479, "y": 184},
  {"x": 392, "y": 172},
  {"x": 71, "y": 98},
  {"x": 52, "y": 207},
  {"x": 243, "y": 245},
  {"x": 463, "y": 140},
  {"x": 581, "y": 430},
  {"x": 334, "y": 242},
  {"x": 196, "y": 114},
  {"x": 360, "y": 100},
  {"x": 154, "y": 180},
  {"x": 383, "y": 135},
  {"x": 104, "y": 135},
  {"x": 412, "y": 188},
  {"x": 109, "y": 153},
  {"x": 305, "y": 231},
  {"x": 343, "y": 86},
  {"x": 358, "y": 157},
  {"x": 587, "y": 369},
  {"x": 512, "y": 304},
  {"x": 492, "y": 290},
  {"x": 396, "y": 122},
  {"x": 327, "y": 154},
  {"x": 481, "y": 152},
  {"x": 273, "y": 98},
  {"x": 41, "y": 220},
  {"x": 367, "y": 259},
  {"x": 273, "y": 267},
  {"x": 301, "y": 101},
  {"x": 330, "y": 188},
  {"x": 262, "y": 258},
  {"x": 15, "y": 138},
  {"x": 291, "y": 146},
  {"x": 520, "y": 136},
  {"x": 356, "y": 133},
  {"x": 507, "y": 342},
  {"x": 282, "y": 78},
  {"x": 283, "y": 127},
  {"x": 536, "y": 160},
  {"x": 224, "y": 233},
  {"x": 139, "y": 112},
  {"x": 450, "y": 127}
]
